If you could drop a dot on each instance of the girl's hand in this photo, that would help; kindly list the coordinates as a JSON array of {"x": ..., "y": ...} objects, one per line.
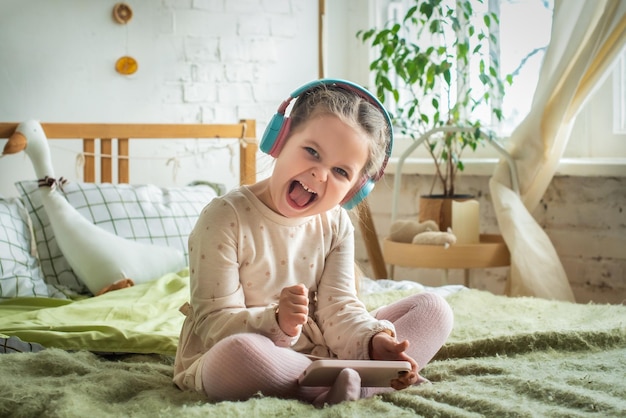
[
  {"x": 385, "y": 347},
  {"x": 293, "y": 309}
]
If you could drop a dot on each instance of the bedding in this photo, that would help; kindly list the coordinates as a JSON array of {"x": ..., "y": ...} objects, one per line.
[
  {"x": 113, "y": 356},
  {"x": 136, "y": 222},
  {"x": 143, "y": 213},
  {"x": 100, "y": 259},
  {"x": 20, "y": 275}
]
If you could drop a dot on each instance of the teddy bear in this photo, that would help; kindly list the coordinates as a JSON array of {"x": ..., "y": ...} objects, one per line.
[{"x": 420, "y": 233}]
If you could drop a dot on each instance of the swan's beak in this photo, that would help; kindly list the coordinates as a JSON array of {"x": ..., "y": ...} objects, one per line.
[{"x": 16, "y": 143}]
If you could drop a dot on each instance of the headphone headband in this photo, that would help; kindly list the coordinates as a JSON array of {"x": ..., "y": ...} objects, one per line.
[{"x": 278, "y": 129}]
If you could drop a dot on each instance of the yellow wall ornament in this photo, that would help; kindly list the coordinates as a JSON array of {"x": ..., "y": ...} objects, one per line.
[{"x": 126, "y": 65}]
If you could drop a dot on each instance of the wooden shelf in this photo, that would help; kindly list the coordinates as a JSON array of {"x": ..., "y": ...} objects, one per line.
[{"x": 490, "y": 252}]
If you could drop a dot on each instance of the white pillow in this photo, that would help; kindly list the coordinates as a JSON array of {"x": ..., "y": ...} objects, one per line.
[
  {"x": 144, "y": 213},
  {"x": 20, "y": 275}
]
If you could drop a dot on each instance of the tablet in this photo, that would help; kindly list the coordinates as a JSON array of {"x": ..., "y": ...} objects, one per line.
[{"x": 377, "y": 373}]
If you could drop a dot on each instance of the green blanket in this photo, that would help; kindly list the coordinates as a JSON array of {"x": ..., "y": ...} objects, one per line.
[
  {"x": 139, "y": 319},
  {"x": 505, "y": 357}
]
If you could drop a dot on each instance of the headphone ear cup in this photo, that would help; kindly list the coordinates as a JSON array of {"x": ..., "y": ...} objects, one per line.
[
  {"x": 271, "y": 133},
  {"x": 275, "y": 135},
  {"x": 359, "y": 195},
  {"x": 281, "y": 138}
]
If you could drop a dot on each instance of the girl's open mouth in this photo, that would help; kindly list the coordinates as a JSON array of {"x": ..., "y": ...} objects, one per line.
[{"x": 300, "y": 194}]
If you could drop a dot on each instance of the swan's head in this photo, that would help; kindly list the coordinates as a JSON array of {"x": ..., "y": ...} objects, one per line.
[
  {"x": 30, "y": 138},
  {"x": 16, "y": 143}
]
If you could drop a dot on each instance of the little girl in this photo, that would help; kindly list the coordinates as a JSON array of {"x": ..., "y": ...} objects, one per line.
[{"x": 272, "y": 265}]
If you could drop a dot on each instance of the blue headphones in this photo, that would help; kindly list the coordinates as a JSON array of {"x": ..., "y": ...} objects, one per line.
[{"x": 278, "y": 128}]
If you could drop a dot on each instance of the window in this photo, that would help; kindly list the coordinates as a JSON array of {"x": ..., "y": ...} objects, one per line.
[
  {"x": 518, "y": 50},
  {"x": 524, "y": 32},
  {"x": 619, "y": 95},
  {"x": 522, "y": 48},
  {"x": 600, "y": 127}
]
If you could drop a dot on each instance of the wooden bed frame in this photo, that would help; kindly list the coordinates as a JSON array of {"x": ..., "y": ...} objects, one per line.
[{"x": 109, "y": 133}]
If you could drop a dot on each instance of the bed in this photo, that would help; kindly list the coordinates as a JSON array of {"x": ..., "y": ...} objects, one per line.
[{"x": 70, "y": 354}]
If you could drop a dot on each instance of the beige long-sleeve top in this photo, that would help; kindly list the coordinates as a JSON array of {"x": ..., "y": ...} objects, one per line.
[{"x": 242, "y": 254}]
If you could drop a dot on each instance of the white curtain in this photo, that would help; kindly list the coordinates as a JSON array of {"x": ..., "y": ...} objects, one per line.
[{"x": 586, "y": 38}]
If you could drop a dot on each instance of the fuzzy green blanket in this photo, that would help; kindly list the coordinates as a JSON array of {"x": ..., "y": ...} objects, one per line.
[{"x": 506, "y": 357}]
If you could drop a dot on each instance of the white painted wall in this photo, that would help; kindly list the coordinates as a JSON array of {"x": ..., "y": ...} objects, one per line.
[{"x": 199, "y": 61}]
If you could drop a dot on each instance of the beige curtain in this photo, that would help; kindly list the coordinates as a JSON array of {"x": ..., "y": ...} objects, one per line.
[{"x": 586, "y": 38}]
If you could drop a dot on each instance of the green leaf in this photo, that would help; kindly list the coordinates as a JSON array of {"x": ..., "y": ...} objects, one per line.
[
  {"x": 386, "y": 83},
  {"x": 495, "y": 17},
  {"x": 430, "y": 75},
  {"x": 447, "y": 77},
  {"x": 462, "y": 49},
  {"x": 380, "y": 93},
  {"x": 409, "y": 14},
  {"x": 435, "y": 26},
  {"x": 426, "y": 9}
]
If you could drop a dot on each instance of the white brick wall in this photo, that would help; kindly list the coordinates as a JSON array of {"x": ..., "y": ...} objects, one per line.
[{"x": 199, "y": 61}]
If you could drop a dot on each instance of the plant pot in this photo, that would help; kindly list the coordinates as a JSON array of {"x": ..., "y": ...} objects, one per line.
[{"x": 458, "y": 212}]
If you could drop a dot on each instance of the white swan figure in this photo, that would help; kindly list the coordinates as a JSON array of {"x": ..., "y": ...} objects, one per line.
[{"x": 101, "y": 259}]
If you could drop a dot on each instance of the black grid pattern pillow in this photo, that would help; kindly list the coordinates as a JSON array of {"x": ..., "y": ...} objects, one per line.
[
  {"x": 145, "y": 213},
  {"x": 20, "y": 275}
]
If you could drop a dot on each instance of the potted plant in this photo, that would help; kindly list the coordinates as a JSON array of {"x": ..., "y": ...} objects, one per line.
[{"x": 424, "y": 65}]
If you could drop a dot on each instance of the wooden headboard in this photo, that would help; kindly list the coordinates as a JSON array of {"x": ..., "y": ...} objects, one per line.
[{"x": 122, "y": 133}]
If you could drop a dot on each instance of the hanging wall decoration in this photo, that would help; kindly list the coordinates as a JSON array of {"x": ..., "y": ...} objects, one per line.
[
  {"x": 122, "y": 13},
  {"x": 126, "y": 65}
]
